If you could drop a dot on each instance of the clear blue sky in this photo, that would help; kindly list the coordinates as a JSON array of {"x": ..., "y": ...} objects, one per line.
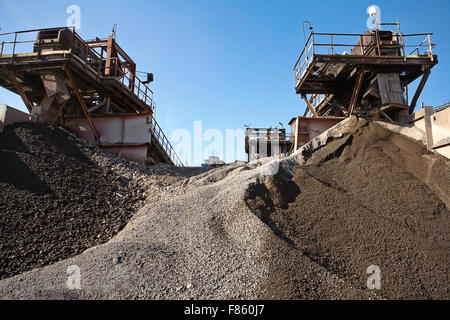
[{"x": 228, "y": 63}]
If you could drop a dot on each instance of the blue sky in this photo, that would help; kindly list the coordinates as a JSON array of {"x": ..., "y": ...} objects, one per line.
[{"x": 228, "y": 63}]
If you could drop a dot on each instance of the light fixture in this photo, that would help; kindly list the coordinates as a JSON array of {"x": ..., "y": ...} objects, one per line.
[
  {"x": 149, "y": 78},
  {"x": 372, "y": 10},
  {"x": 310, "y": 28}
]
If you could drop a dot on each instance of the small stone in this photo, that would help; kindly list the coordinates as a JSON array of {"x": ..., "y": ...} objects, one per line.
[
  {"x": 117, "y": 260},
  {"x": 189, "y": 286}
]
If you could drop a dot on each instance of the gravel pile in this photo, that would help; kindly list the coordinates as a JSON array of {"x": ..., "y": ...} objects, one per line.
[
  {"x": 370, "y": 198},
  {"x": 61, "y": 195},
  {"x": 303, "y": 227}
]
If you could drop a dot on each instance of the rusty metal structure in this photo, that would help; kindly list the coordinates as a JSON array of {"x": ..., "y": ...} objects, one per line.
[
  {"x": 304, "y": 129},
  {"x": 340, "y": 75},
  {"x": 266, "y": 142},
  {"x": 89, "y": 86}
]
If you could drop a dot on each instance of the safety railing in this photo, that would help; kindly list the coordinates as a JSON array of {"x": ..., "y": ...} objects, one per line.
[
  {"x": 362, "y": 44},
  {"x": 442, "y": 107},
  {"x": 164, "y": 143},
  {"x": 19, "y": 42},
  {"x": 134, "y": 85},
  {"x": 12, "y": 43},
  {"x": 266, "y": 134}
]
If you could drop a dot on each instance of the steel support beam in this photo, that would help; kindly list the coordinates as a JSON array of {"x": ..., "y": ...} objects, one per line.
[
  {"x": 384, "y": 114},
  {"x": 356, "y": 89},
  {"x": 375, "y": 60},
  {"x": 420, "y": 87},
  {"x": 12, "y": 77},
  {"x": 296, "y": 134},
  {"x": 109, "y": 55},
  {"x": 310, "y": 107},
  {"x": 81, "y": 101}
]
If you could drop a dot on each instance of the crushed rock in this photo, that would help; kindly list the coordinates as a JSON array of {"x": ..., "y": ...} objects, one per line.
[{"x": 303, "y": 227}]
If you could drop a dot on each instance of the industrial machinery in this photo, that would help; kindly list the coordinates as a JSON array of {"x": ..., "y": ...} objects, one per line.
[
  {"x": 340, "y": 75},
  {"x": 89, "y": 86},
  {"x": 265, "y": 142}
]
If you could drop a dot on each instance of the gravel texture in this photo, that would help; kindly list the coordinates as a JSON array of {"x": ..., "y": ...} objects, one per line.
[
  {"x": 60, "y": 195},
  {"x": 303, "y": 227},
  {"x": 362, "y": 200}
]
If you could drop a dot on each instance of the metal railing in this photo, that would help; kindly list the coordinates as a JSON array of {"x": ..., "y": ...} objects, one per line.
[
  {"x": 134, "y": 86},
  {"x": 358, "y": 44},
  {"x": 266, "y": 134},
  {"x": 164, "y": 143},
  {"x": 19, "y": 42},
  {"x": 442, "y": 107},
  {"x": 13, "y": 43}
]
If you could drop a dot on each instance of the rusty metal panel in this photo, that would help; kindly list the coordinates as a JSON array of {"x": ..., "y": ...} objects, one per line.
[
  {"x": 54, "y": 84},
  {"x": 309, "y": 128},
  {"x": 126, "y": 135},
  {"x": 390, "y": 88},
  {"x": 116, "y": 128}
]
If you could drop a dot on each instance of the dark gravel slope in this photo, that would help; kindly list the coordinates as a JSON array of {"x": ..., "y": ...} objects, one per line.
[
  {"x": 370, "y": 198},
  {"x": 54, "y": 201},
  {"x": 310, "y": 231}
]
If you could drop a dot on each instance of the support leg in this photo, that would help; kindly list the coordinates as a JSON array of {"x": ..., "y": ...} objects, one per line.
[
  {"x": 12, "y": 77},
  {"x": 420, "y": 87},
  {"x": 310, "y": 107},
  {"x": 356, "y": 89},
  {"x": 81, "y": 101}
]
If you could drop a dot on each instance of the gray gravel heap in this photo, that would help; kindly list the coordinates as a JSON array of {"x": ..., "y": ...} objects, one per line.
[{"x": 196, "y": 237}]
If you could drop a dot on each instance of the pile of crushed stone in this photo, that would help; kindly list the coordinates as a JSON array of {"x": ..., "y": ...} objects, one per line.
[
  {"x": 308, "y": 230},
  {"x": 60, "y": 195},
  {"x": 370, "y": 198}
]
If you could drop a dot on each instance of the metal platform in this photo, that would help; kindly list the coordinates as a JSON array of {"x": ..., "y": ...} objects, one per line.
[
  {"x": 266, "y": 142},
  {"x": 362, "y": 74},
  {"x": 60, "y": 75},
  {"x": 328, "y": 74},
  {"x": 339, "y": 75}
]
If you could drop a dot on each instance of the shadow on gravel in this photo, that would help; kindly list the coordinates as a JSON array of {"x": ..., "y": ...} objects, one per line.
[
  {"x": 264, "y": 198},
  {"x": 369, "y": 198},
  {"x": 15, "y": 172},
  {"x": 55, "y": 202}
]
